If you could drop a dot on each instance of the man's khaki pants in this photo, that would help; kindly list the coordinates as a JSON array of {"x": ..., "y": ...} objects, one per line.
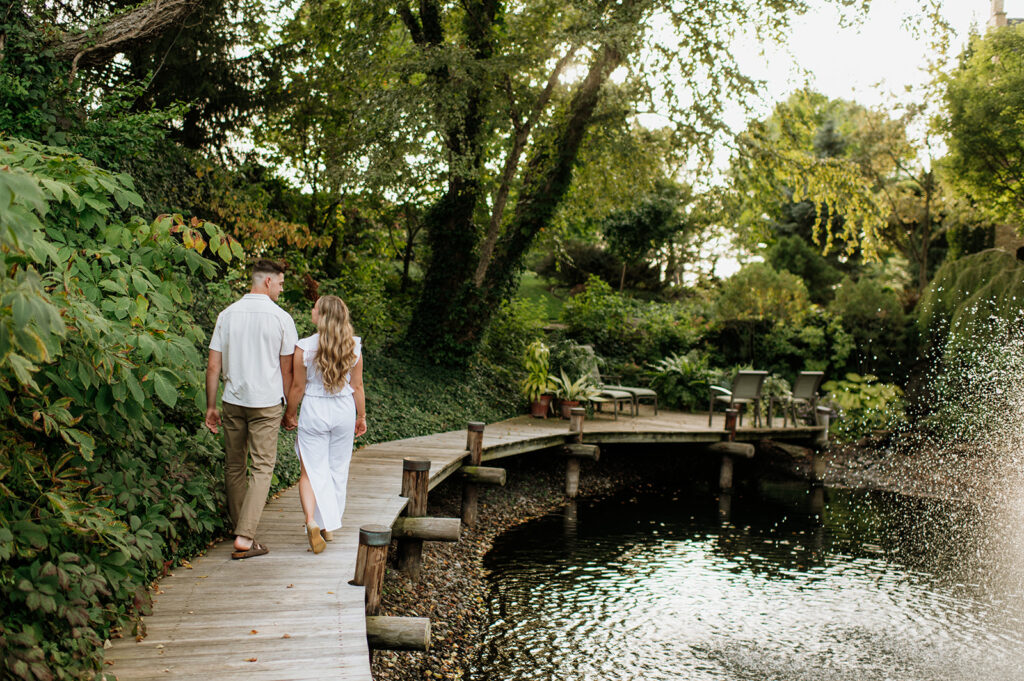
[{"x": 249, "y": 430}]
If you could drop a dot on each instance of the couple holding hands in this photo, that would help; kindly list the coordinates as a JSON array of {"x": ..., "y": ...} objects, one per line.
[{"x": 256, "y": 350}]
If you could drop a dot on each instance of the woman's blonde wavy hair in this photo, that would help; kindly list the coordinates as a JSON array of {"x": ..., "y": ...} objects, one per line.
[{"x": 336, "y": 352}]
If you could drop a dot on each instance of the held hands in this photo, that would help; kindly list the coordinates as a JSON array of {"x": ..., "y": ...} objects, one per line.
[
  {"x": 290, "y": 421},
  {"x": 212, "y": 419},
  {"x": 360, "y": 426}
]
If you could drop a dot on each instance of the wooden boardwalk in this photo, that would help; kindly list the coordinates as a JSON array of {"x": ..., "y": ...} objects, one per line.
[{"x": 291, "y": 615}]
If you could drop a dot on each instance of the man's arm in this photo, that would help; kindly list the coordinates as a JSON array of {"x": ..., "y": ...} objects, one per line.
[
  {"x": 287, "y": 374},
  {"x": 213, "y": 366}
]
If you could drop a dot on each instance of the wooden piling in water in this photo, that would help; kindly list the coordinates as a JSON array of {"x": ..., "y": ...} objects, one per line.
[
  {"x": 471, "y": 490},
  {"x": 725, "y": 472},
  {"x": 415, "y": 483},
  {"x": 373, "y": 546},
  {"x": 572, "y": 462}
]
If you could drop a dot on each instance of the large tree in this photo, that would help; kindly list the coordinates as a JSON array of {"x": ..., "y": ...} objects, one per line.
[
  {"x": 984, "y": 121},
  {"x": 510, "y": 92}
]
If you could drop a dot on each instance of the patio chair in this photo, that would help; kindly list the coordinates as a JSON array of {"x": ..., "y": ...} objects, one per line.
[
  {"x": 616, "y": 397},
  {"x": 637, "y": 393},
  {"x": 805, "y": 392},
  {"x": 746, "y": 389}
]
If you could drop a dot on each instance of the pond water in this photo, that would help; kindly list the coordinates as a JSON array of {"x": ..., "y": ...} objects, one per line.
[{"x": 779, "y": 583}]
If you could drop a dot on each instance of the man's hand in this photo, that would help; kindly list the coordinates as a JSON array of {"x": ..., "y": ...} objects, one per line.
[
  {"x": 213, "y": 419},
  {"x": 290, "y": 422},
  {"x": 360, "y": 426}
]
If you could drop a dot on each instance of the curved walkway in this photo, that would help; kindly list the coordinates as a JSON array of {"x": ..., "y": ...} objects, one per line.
[{"x": 291, "y": 616}]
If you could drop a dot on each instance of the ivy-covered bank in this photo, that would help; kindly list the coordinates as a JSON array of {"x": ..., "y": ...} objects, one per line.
[{"x": 107, "y": 476}]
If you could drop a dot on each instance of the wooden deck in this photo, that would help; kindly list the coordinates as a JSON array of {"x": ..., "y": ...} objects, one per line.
[{"x": 291, "y": 615}]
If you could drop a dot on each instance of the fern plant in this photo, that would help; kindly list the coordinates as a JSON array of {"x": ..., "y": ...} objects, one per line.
[{"x": 681, "y": 380}]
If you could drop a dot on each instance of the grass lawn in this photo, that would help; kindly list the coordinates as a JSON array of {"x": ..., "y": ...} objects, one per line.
[{"x": 535, "y": 289}]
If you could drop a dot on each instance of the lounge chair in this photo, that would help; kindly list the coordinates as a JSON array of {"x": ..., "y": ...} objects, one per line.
[
  {"x": 746, "y": 389},
  {"x": 637, "y": 393},
  {"x": 616, "y": 397},
  {"x": 805, "y": 392}
]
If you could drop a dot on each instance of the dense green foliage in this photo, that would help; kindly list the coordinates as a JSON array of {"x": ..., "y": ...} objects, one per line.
[
  {"x": 985, "y": 105},
  {"x": 759, "y": 292},
  {"x": 878, "y": 326},
  {"x": 971, "y": 300},
  {"x": 864, "y": 405},
  {"x": 101, "y": 371},
  {"x": 626, "y": 329}
]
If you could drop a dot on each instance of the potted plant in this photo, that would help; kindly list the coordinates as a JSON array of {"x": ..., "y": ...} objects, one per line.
[
  {"x": 536, "y": 386},
  {"x": 571, "y": 392}
]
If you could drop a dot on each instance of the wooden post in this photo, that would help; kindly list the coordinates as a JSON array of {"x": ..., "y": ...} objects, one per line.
[
  {"x": 725, "y": 473},
  {"x": 572, "y": 477},
  {"x": 822, "y": 416},
  {"x": 470, "y": 490},
  {"x": 373, "y": 547},
  {"x": 415, "y": 482},
  {"x": 724, "y": 507},
  {"x": 398, "y": 633},
  {"x": 572, "y": 463},
  {"x": 576, "y": 415},
  {"x": 731, "y": 417}
]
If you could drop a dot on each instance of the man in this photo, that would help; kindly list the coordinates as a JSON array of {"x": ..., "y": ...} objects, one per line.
[{"x": 252, "y": 347}]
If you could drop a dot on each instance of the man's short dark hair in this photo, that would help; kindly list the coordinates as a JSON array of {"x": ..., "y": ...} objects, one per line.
[{"x": 264, "y": 267}]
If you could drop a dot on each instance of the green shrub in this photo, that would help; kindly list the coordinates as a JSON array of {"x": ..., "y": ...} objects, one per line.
[
  {"x": 971, "y": 300},
  {"x": 818, "y": 342},
  {"x": 874, "y": 318},
  {"x": 681, "y": 380},
  {"x": 864, "y": 405},
  {"x": 625, "y": 329},
  {"x": 759, "y": 292},
  {"x": 105, "y": 480}
]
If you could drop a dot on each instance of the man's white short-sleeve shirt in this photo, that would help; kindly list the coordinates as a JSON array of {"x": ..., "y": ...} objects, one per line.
[{"x": 252, "y": 335}]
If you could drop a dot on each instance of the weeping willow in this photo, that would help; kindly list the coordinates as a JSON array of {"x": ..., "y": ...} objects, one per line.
[{"x": 971, "y": 301}]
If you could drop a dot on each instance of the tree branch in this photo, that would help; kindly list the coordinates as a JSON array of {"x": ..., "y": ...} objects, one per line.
[
  {"x": 100, "y": 43},
  {"x": 522, "y": 136}
]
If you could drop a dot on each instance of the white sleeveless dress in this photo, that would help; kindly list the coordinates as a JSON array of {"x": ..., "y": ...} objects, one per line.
[{"x": 325, "y": 435}]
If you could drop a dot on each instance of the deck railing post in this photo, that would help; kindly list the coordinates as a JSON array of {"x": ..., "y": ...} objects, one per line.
[
  {"x": 415, "y": 485},
  {"x": 373, "y": 545},
  {"x": 572, "y": 463},
  {"x": 731, "y": 419},
  {"x": 470, "y": 490}
]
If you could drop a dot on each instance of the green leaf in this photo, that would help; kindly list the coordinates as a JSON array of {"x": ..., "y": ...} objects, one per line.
[{"x": 165, "y": 390}]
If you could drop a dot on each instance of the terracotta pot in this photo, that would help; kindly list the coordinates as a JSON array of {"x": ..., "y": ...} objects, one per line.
[
  {"x": 539, "y": 409},
  {"x": 566, "y": 407}
]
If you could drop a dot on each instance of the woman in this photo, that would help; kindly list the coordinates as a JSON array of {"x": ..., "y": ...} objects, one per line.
[{"x": 328, "y": 373}]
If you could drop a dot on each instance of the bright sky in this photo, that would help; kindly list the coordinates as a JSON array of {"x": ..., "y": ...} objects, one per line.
[
  {"x": 850, "y": 62},
  {"x": 865, "y": 62}
]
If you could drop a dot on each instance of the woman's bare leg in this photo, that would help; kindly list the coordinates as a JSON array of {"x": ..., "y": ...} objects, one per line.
[{"x": 306, "y": 495}]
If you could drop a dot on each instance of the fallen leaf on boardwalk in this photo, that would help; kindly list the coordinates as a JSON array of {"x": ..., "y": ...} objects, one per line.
[
  {"x": 330, "y": 592},
  {"x": 108, "y": 662},
  {"x": 254, "y": 632},
  {"x": 159, "y": 646},
  {"x": 203, "y": 576},
  {"x": 187, "y": 565},
  {"x": 251, "y": 659},
  {"x": 289, "y": 586},
  {"x": 287, "y": 636}
]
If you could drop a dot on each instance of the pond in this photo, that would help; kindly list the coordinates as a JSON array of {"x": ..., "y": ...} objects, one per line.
[{"x": 781, "y": 582}]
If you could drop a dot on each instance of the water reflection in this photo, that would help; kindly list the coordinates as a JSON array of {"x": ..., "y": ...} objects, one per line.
[{"x": 788, "y": 583}]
